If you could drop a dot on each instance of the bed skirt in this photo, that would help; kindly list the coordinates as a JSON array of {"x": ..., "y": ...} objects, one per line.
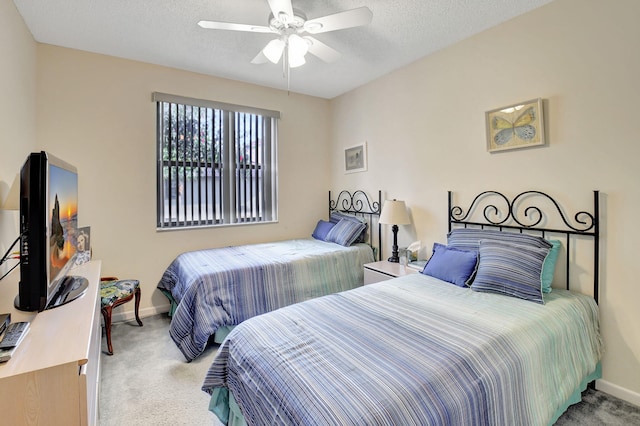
[
  {"x": 224, "y": 405},
  {"x": 576, "y": 396},
  {"x": 172, "y": 301}
]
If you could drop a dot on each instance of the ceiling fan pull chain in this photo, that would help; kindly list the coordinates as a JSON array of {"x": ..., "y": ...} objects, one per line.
[{"x": 286, "y": 69}]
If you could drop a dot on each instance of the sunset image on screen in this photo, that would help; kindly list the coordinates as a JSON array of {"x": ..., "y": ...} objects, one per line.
[{"x": 64, "y": 218}]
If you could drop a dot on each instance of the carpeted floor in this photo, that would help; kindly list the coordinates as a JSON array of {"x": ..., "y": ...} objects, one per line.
[
  {"x": 598, "y": 408},
  {"x": 148, "y": 382}
]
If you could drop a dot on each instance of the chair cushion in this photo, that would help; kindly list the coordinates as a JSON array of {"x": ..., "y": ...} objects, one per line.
[{"x": 112, "y": 291}]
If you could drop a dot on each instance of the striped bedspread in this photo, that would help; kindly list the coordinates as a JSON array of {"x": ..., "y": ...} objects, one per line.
[
  {"x": 225, "y": 286},
  {"x": 410, "y": 351}
]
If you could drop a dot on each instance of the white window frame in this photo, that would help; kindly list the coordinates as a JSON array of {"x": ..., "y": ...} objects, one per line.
[{"x": 216, "y": 163}]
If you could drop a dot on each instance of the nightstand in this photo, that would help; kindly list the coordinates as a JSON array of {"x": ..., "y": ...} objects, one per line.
[{"x": 384, "y": 270}]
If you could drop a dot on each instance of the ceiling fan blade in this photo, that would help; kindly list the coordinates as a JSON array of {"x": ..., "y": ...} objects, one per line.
[
  {"x": 321, "y": 50},
  {"x": 260, "y": 59},
  {"x": 338, "y": 21},
  {"x": 281, "y": 6},
  {"x": 213, "y": 25}
]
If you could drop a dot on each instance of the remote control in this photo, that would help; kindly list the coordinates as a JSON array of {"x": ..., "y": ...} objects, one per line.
[
  {"x": 5, "y": 320},
  {"x": 14, "y": 334}
]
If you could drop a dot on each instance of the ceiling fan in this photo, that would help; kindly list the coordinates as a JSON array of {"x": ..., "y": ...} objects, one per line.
[{"x": 290, "y": 25}]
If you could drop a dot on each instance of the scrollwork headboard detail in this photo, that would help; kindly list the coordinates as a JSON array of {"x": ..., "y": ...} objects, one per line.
[
  {"x": 359, "y": 203},
  {"x": 524, "y": 213}
]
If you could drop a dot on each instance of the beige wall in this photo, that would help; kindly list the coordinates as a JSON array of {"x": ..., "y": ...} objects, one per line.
[
  {"x": 17, "y": 110},
  {"x": 96, "y": 112},
  {"x": 425, "y": 129}
]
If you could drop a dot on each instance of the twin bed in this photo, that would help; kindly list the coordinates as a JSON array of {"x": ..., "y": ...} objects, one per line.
[
  {"x": 427, "y": 348},
  {"x": 211, "y": 291}
]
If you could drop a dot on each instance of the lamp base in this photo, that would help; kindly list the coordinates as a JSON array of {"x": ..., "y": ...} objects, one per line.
[{"x": 394, "y": 249}]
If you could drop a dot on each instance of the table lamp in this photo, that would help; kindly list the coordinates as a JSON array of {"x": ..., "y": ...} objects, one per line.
[{"x": 394, "y": 212}]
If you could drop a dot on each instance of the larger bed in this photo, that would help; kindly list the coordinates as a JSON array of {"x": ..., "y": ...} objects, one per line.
[
  {"x": 423, "y": 350},
  {"x": 213, "y": 290}
]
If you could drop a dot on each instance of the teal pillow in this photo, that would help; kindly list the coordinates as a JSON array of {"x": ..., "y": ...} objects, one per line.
[{"x": 549, "y": 266}]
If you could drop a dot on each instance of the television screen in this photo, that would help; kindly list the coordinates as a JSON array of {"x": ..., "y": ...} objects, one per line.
[{"x": 63, "y": 221}]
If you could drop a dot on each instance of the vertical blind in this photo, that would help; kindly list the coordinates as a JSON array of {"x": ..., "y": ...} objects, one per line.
[{"x": 217, "y": 163}]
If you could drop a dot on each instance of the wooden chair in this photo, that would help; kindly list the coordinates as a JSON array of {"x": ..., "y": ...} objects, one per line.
[{"x": 115, "y": 292}]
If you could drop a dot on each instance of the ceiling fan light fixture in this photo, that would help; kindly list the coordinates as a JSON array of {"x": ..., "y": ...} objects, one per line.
[
  {"x": 284, "y": 18},
  {"x": 273, "y": 50},
  {"x": 296, "y": 61},
  {"x": 297, "y": 46}
]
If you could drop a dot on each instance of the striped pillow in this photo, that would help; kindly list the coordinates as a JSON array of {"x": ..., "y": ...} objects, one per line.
[
  {"x": 510, "y": 269},
  {"x": 336, "y": 216},
  {"x": 469, "y": 238},
  {"x": 345, "y": 232}
]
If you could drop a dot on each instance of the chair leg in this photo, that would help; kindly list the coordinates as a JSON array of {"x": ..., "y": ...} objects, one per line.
[
  {"x": 106, "y": 314},
  {"x": 137, "y": 293}
]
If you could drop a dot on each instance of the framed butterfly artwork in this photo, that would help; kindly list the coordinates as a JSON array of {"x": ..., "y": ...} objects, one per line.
[{"x": 515, "y": 126}]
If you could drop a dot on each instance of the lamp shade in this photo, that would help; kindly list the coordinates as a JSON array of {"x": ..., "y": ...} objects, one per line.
[
  {"x": 394, "y": 212},
  {"x": 12, "y": 202}
]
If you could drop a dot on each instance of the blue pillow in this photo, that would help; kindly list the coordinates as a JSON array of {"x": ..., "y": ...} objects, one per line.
[
  {"x": 451, "y": 264},
  {"x": 322, "y": 229},
  {"x": 510, "y": 269},
  {"x": 549, "y": 266},
  {"x": 345, "y": 232}
]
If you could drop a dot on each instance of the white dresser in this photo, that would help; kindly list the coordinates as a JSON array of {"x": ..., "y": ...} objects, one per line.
[{"x": 53, "y": 377}]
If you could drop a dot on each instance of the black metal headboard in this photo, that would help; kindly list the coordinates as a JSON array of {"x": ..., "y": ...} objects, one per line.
[
  {"x": 524, "y": 213},
  {"x": 360, "y": 204}
]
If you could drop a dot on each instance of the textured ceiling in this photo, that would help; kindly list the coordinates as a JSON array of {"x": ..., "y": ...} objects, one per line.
[{"x": 164, "y": 32}]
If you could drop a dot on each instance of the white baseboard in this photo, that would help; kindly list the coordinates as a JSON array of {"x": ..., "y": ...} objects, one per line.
[
  {"x": 618, "y": 392},
  {"x": 130, "y": 315}
]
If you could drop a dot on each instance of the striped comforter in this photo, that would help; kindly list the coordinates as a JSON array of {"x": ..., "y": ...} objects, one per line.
[
  {"x": 225, "y": 286},
  {"x": 409, "y": 351}
]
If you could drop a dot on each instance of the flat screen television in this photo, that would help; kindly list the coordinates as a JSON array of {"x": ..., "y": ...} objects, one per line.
[{"x": 48, "y": 229}]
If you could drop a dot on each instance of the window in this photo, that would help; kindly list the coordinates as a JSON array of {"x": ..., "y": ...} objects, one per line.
[{"x": 217, "y": 163}]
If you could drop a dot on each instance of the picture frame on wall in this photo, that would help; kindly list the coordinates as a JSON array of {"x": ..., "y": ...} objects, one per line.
[
  {"x": 355, "y": 158},
  {"x": 515, "y": 126}
]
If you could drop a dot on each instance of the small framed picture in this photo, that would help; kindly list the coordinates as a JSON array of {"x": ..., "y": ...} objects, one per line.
[
  {"x": 515, "y": 126},
  {"x": 355, "y": 158},
  {"x": 83, "y": 245}
]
